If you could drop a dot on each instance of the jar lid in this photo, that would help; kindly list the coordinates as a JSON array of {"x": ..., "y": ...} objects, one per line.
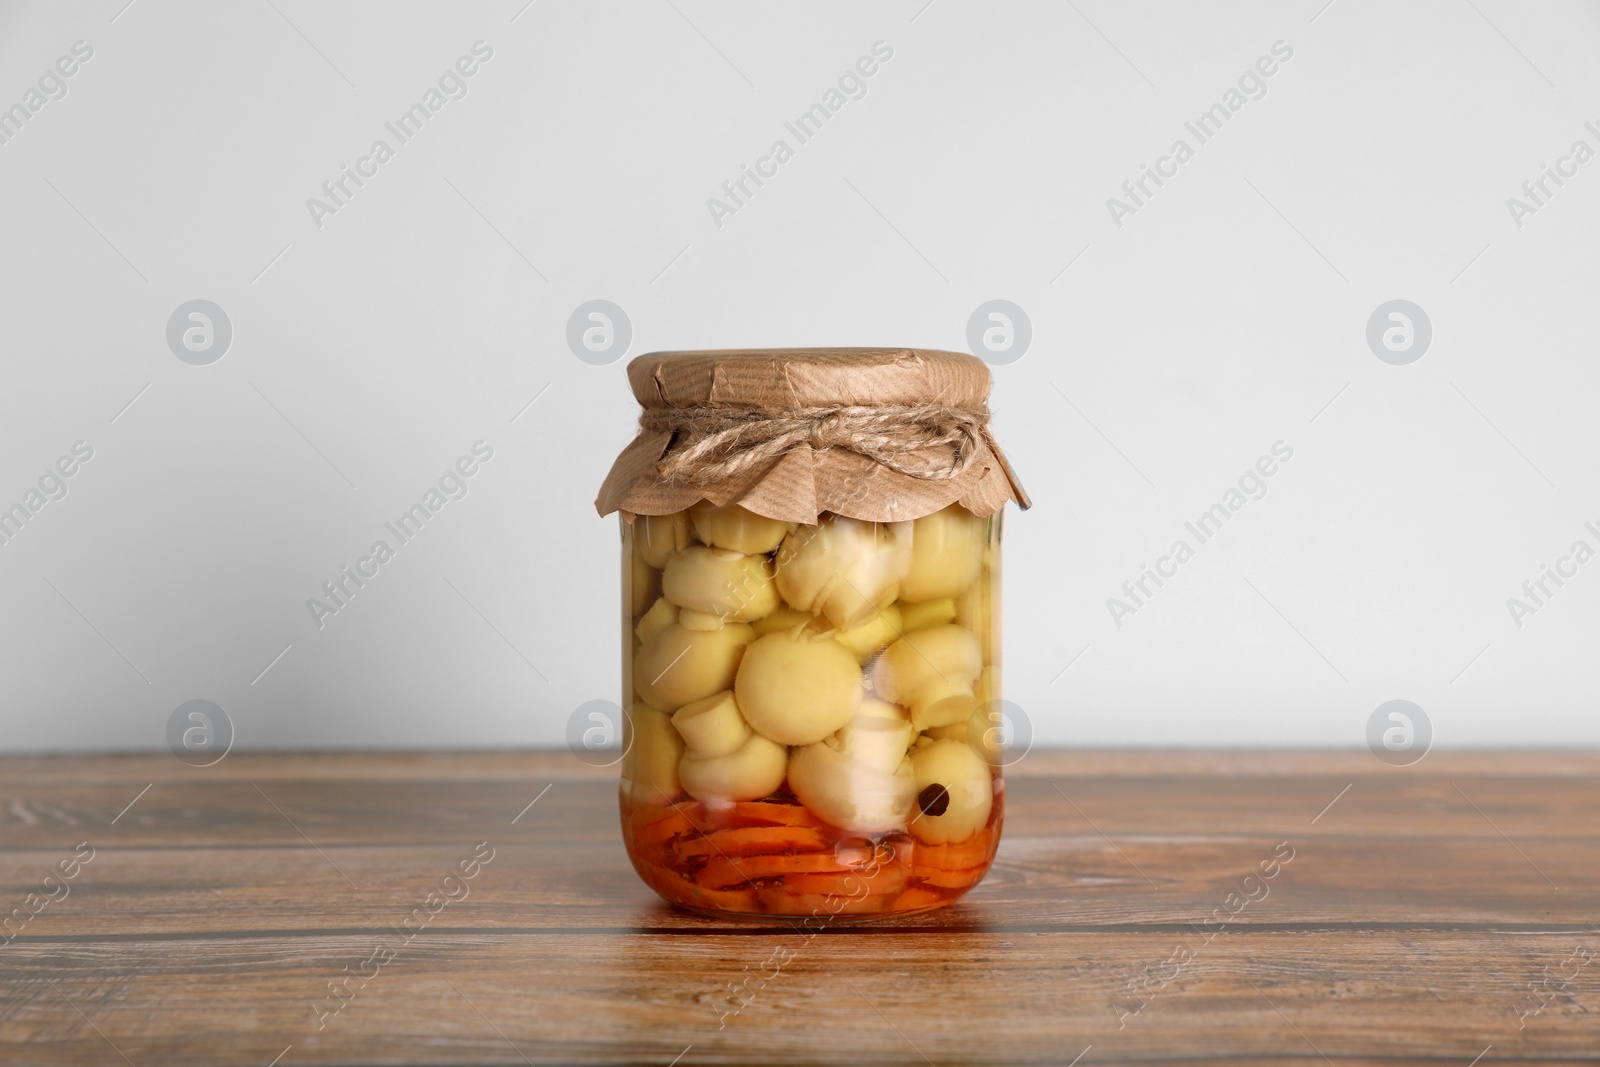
[
  {"x": 879, "y": 434},
  {"x": 783, "y": 378}
]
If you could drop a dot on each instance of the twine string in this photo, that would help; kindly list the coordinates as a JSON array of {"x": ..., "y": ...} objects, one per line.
[{"x": 711, "y": 444}]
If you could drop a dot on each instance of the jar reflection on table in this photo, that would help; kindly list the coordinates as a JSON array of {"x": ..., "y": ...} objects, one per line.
[{"x": 813, "y": 724}]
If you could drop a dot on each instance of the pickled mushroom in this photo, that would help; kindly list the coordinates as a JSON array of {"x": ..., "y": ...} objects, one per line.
[
  {"x": 932, "y": 672},
  {"x": 946, "y": 555},
  {"x": 678, "y": 665},
  {"x": 986, "y": 726},
  {"x": 954, "y": 792},
  {"x": 797, "y": 687},
  {"x": 872, "y": 635},
  {"x": 651, "y": 749},
  {"x": 750, "y": 772},
  {"x": 662, "y": 613},
  {"x": 933, "y": 613},
  {"x": 699, "y": 620},
  {"x": 657, "y": 537},
  {"x": 850, "y": 795},
  {"x": 713, "y": 726},
  {"x": 644, "y": 584},
  {"x": 784, "y": 618},
  {"x": 975, "y": 609},
  {"x": 877, "y": 737},
  {"x": 737, "y": 528},
  {"x": 845, "y": 569},
  {"x": 720, "y": 582}
]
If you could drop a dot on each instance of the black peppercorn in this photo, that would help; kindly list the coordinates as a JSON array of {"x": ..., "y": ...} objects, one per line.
[{"x": 934, "y": 800}]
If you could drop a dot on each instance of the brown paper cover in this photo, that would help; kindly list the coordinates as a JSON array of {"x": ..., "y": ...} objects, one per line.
[{"x": 805, "y": 482}]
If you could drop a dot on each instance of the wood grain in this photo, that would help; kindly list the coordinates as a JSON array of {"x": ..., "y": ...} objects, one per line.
[{"x": 1418, "y": 907}]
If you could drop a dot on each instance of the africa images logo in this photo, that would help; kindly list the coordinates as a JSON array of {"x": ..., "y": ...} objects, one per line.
[
  {"x": 851, "y": 85},
  {"x": 452, "y": 85},
  {"x": 1251, "y": 85}
]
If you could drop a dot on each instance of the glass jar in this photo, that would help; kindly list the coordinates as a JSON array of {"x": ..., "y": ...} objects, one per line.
[{"x": 812, "y": 723}]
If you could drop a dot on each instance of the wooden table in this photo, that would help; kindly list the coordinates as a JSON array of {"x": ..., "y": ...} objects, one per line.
[{"x": 1426, "y": 915}]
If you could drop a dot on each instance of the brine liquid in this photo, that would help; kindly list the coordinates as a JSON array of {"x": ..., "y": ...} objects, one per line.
[
  {"x": 773, "y": 858},
  {"x": 811, "y": 725}
]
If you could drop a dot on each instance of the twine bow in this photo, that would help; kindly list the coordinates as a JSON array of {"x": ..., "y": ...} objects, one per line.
[{"x": 711, "y": 444}]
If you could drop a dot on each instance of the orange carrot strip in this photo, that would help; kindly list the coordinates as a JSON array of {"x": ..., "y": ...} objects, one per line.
[
  {"x": 720, "y": 872},
  {"x": 753, "y": 813},
  {"x": 780, "y": 900},
  {"x": 664, "y": 882},
  {"x": 845, "y": 883},
  {"x": 884, "y": 881},
  {"x": 753, "y": 841},
  {"x": 741, "y": 900},
  {"x": 676, "y": 890},
  {"x": 646, "y": 810},
  {"x": 864, "y": 851},
  {"x": 917, "y": 898},
  {"x": 777, "y": 814},
  {"x": 653, "y": 827},
  {"x": 956, "y": 855},
  {"x": 958, "y": 879}
]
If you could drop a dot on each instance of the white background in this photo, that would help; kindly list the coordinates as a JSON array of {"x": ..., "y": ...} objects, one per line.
[{"x": 369, "y": 353}]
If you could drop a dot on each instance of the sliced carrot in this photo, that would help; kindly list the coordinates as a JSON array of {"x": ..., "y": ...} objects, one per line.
[
  {"x": 884, "y": 881},
  {"x": 753, "y": 813},
  {"x": 975, "y": 851},
  {"x": 720, "y": 872},
  {"x": 676, "y": 890},
  {"x": 848, "y": 883},
  {"x": 651, "y": 828},
  {"x": 706, "y": 820},
  {"x": 753, "y": 841},
  {"x": 743, "y": 901},
  {"x": 919, "y": 898},
  {"x": 863, "y": 853},
  {"x": 643, "y": 811},
  {"x": 780, "y": 900},
  {"x": 775, "y": 812},
  {"x": 664, "y": 882},
  {"x": 845, "y": 882},
  {"x": 957, "y": 879}
]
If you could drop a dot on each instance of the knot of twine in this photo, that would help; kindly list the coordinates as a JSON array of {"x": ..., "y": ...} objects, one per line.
[{"x": 711, "y": 444}]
